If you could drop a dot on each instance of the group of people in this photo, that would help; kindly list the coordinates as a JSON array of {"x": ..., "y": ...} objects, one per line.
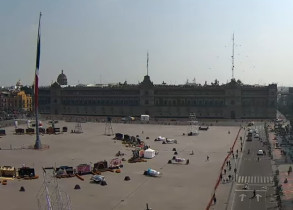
[
  {"x": 235, "y": 155},
  {"x": 230, "y": 177},
  {"x": 227, "y": 180}
]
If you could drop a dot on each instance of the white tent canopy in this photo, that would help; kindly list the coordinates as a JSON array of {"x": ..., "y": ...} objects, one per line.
[{"x": 149, "y": 153}]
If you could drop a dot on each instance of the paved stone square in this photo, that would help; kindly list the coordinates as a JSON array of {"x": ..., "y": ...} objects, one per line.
[{"x": 180, "y": 186}]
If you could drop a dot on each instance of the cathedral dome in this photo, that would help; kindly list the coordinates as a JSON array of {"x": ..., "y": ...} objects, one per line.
[
  {"x": 62, "y": 79},
  {"x": 19, "y": 84}
]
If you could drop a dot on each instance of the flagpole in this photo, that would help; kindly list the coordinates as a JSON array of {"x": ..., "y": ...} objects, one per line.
[
  {"x": 38, "y": 144},
  {"x": 148, "y": 64}
]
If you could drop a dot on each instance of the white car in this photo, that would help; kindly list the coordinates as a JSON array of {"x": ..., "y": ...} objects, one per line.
[
  {"x": 256, "y": 136},
  {"x": 260, "y": 152}
]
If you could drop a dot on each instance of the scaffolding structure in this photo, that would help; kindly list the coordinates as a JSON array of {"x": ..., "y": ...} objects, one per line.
[
  {"x": 50, "y": 196},
  {"x": 78, "y": 128},
  {"x": 192, "y": 125},
  {"x": 108, "y": 127}
]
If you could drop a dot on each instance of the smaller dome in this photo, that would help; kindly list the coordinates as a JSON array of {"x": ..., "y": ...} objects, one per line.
[
  {"x": 62, "y": 79},
  {"x": 19, "y": 83}
]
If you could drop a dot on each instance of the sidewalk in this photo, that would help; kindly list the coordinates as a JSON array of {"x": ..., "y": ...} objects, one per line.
[
  {"x": 225, "y": 188},
  {"x": 281, "y": 163}
]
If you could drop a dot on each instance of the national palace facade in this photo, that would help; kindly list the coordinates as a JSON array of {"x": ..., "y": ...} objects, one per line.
[{"x": 233, "y": 100}]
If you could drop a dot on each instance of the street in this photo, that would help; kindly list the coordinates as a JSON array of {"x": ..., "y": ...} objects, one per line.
[{"x": 255, "y": 173}]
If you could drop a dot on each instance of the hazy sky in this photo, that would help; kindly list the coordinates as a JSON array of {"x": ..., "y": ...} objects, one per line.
[{"x": 106, "y": 41}]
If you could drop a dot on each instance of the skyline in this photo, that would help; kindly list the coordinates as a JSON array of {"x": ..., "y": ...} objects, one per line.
[{"x": 108, "y": 41}]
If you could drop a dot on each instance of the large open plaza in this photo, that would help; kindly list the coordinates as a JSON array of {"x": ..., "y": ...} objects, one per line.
[{"x": 179, "y": 187}]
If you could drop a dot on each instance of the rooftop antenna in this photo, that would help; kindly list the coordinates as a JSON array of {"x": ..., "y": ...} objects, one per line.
[
  {"x": 233, "y": 57},
  {"x": 148, "y": 64}
]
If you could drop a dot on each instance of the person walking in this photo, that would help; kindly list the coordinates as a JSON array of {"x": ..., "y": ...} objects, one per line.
[
  {"x": 208, "y": 158},
  {"x": 147, "y": 207},
  {"x": 254, "y": 194},
  {"x": 246, "y": 186}
]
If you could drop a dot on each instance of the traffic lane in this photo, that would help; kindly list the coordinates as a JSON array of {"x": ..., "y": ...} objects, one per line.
[
  {"x": 243, "y": 200},
  {"x": 253, "y": 147},
  {"x": 250, "y": 166},
  {"x": 253, "y": 164},
  {"x": 256, "y": 168}
]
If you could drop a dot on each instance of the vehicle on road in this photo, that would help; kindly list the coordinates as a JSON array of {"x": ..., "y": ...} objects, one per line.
[
  {"x": 260, "y": 152},
  {"x": 249, "y": 135}
]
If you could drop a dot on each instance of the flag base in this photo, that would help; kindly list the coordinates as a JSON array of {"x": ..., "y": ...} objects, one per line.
[{"x": 38, "y": 145}]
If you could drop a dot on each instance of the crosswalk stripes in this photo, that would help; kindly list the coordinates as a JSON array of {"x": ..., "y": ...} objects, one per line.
[
  {"x": 256, "y": 159},
  {"x": 255, "y": 179}
]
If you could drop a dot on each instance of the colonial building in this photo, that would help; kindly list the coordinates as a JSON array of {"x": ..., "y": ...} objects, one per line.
[
  {"x": 15, "y": 100},
  {"x": 233, "y": 100},
  {"x": 23, "y": 101},
  {"x": 285, "y": 102}
]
